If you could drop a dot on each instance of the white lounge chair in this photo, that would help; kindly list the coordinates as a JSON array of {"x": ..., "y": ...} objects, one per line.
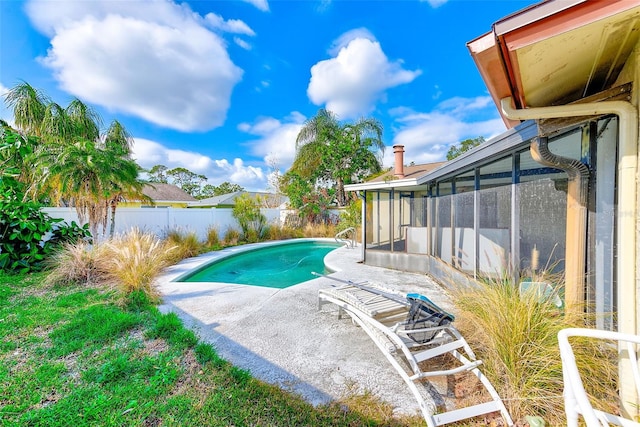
[
  {"x": 410, "y": 330},
  {"x": 576, "y": 401}
]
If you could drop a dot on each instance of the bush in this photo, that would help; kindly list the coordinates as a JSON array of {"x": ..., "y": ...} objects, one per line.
[
  {"x": 132, "y": 261},
  {"x": 319, "y": 230},
  {"x": 252, "y": 223},
  {"x": 73, "y": 263},
  {"x": 185, "y": 245},
  {"x": 213, "y": 237},
  {"x": 28, "y": 235},
  {"x": 516, "y": 337},
  {"x": 351, "y": 216},
  {"x": 282, "y": 233},
  {"x": 231, "y": 236}
]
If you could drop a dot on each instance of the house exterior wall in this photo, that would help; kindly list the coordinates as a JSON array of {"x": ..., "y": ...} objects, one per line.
[{"x": 506, "y": 217}]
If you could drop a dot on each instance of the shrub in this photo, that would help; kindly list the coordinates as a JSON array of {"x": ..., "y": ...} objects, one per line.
[
  {"x": 516, "y": 337},
  {"x": 351, "y": 216},
  {"x": 319, "y": 230},
  {"x": 316, "y": 206},
  {"x": 73, "y": 263},
  {"x": 28, "y": 235},
  {"x": 252, "y": 223},
  {"x": 213, "y": 237},
  {"x": 231, "y": 236},
  {"x": 184, "y": 244},
  {"x": 283, "y": 232},
  {"x": 132, "y": 261}
]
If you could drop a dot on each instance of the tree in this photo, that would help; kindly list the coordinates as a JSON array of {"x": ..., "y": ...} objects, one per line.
[
  {"x": 158, "y": 174},
  {"x": 16, "y": 155},
  {"x": 295, "y": 187},
  {"x": 466, "y": 145},
  {"x": 93, "y": 180},
  {"x": 253, "y": 223},
  {"x": 328, "y": 151},
  {"x": 209, "y": 190},
  {"x": 274, "y": 177},
  {"x": 189, "y": 181},
  {"x": 74, "y": 163}
]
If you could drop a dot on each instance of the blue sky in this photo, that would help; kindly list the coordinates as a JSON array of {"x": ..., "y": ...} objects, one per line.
[{"x": 223, "y": 87}]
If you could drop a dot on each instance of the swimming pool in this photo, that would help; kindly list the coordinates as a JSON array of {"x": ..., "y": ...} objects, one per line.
[{"x": 276, "y": 265}]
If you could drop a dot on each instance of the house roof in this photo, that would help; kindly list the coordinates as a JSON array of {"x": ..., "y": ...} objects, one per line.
[
  {"x": 413, "y": 174},
  {"x": 230, "y": 199},
  {"x": 495, "y": 148},
  {"x": 410, "y": 172},
  {"x": 160, "y": 192},
  {"x": 557, "y": 51}
]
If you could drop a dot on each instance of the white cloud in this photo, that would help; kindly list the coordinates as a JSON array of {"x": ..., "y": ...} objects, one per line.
[
  {"x": 260, "y": 4},
  {"x": 235, "y": 26},
  {"x": 49, "y": 17},
  {"x": 242, "y": 43},
  {"x": 5, "y": 113},
  {"x": 323, "y": 6},
  {"x": 346, "y": 38},
  {"x": 435, "y": 3},
  {"x": 156, "y": 60},
  {"x": 149, "y": 153},
  {"x": 350, "y": 83},
  {"x": 428, "y": 136},
  {"x": 277, "y": 143}
]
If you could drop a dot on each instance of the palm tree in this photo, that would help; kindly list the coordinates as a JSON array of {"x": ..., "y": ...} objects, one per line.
[
  {"x": 29, "y": 106},
  {"x": 332, "y": 151},
  {"x": 74, "y": 163},
  {"x": 93, "y": 179}
]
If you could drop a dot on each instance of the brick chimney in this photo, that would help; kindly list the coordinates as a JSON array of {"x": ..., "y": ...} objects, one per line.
[{"x": 398, "y": 151}]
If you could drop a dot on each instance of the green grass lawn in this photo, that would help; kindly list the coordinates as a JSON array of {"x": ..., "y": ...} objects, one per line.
[{"x": 71, "y": 356}]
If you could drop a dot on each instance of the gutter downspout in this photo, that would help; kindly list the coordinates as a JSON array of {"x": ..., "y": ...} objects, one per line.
[
  {"x": 626, "y": 215},
  {"x": 576, "y": 238}
]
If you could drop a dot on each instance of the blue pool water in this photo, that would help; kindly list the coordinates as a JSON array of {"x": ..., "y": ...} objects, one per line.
[{"x": 274, "y": 266}]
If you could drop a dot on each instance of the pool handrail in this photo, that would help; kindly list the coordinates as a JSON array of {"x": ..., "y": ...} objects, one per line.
[{"x": 348, "y": 242}]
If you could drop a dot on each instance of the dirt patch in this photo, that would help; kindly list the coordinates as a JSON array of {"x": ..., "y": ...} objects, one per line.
[{"x": 461, "y": 390}]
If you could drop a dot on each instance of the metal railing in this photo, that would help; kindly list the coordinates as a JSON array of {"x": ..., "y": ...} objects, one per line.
[{"x": 347, "y": 237}]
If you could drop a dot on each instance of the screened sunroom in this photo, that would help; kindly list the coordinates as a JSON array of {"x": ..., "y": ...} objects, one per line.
[{"x": 506, "y": 208}]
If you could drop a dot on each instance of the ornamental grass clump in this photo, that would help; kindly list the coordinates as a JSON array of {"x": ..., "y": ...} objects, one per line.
[
  {"x": 319, "y": 230},
  {"x": 73, "y": 263},
  {"x": 283, "y": 232},
  {"x": 516, "y": 337},
  {"x": 213, "y": 237},
  {"x": 184, "y": 244},
  {"x": 132, "y": 261},
  {"x": 231, "y": 236}
]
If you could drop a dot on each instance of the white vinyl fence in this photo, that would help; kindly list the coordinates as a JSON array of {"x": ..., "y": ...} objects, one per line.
[{"x": 160, "y": 220}]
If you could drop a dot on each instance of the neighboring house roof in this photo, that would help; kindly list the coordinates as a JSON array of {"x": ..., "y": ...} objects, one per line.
[
  {"x": 160, "y": 192},
  {"x": 230, "y": 199},
  {"x": 410, "y": 172}
]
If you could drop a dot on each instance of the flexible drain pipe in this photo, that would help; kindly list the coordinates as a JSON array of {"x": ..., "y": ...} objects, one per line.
[
  {"x": 626, "y": 215},
  {"x": 576, "y": 238}
]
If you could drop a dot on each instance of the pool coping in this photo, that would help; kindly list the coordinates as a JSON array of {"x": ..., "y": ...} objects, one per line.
[{"x": 188, "y": 266}]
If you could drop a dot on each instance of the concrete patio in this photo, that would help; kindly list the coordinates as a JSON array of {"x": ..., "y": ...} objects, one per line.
[{"x": 281, "y": 336}]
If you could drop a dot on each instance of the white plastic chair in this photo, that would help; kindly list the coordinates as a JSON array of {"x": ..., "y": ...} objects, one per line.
[{"x": 576, "y": 401}]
